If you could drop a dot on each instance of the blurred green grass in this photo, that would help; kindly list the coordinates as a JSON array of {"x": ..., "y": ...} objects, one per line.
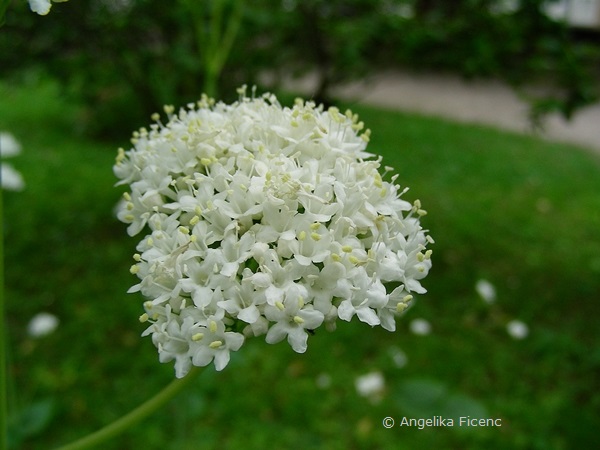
[{"x": 518, "y": 211}]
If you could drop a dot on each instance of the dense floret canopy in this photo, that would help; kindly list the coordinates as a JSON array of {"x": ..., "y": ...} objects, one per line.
[{"x": 264, "y": 220}]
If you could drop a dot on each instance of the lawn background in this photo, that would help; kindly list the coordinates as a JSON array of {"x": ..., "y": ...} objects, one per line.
[{"x": 518, "y": 211}]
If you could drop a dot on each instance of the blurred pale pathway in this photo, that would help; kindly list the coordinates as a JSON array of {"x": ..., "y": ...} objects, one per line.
[{"x": 475, "y": 101}]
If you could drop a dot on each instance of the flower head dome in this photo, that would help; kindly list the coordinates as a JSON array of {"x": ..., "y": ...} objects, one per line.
[{"x": 263, "y": 220}]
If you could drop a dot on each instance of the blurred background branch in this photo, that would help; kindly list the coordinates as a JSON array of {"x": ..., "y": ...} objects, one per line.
[
  {"x": 140, "y": 54},
  {"x": 216, "y": 26}
]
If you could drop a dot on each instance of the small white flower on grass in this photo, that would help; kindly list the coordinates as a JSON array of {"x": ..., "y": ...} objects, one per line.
[
  {"x": 420, "y": 327},
  {"x": 9, "y": 146},
  {"x": 323, "y": 381},
  {"x": 42, "y": 324},
  {"x": 370, "y": 385},
  {"x": 42, "y": 7},
  {"x": 264, "y": 220},
  {"x": 486, "y": 291},
  {"x": 10, "y": 178},
  {"x": 399, "y": 357},
  {"x": 517, "y": 329}
]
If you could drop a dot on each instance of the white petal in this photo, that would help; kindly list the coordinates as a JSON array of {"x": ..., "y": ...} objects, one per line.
[
  {"x": 231, "y": 306},
  {"x": 221, "y": 359},
  {"x": 273, "y": 295},
  {"x": 414, "y": 286},
  {"x": 312, "y": 319},
  {"x": 202, "y": 357},
  {"x": 234, "y": 340},
  {"x": 134, "y": 288},
  {"x": 183, "y": 364},
  {"x": 276, "y": 333},
  {"x": 377, "y": 296},
  {"x": 249, "y": 314},
  {"x": 229, "y": 269},
  {"x": 298, "y": 339},
  {"x": 303, "y": 260},
  {"x": 367, "y": 315},
  {"x": 262, "y": 280},
  {"x": 387, "y": 320},
  {"x": 346, "y": 310}
]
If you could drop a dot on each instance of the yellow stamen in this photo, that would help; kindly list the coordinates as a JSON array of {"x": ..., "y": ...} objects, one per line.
[
  {"x": 215, "y": 344},
  {"x": 400, "y": 307},
  {"x": 197, "y": 337}
]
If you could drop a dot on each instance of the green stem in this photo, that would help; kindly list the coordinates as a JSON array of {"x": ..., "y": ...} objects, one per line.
[
  {"x": 134, "y": 416},
  {"x": 214, "y": 44},
  {"x": 3, "y": 331},
  {"x": 216, "y": 19},
  {"x": 229, "y": 35}
]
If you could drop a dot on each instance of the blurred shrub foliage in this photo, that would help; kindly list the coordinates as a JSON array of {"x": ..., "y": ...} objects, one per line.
[{"x": 124, "y": 59}]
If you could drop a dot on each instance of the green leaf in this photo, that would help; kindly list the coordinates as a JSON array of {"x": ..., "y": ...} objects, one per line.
[
  {"x": 31, "y": 420},
  {"x": 422, "y": 398}
]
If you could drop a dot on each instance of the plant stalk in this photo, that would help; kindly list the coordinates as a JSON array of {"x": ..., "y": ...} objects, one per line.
[
  {"x": 3, "y": 333},
  {"x": 215, "y": 34},
  {"x": 133, "y": 417}
]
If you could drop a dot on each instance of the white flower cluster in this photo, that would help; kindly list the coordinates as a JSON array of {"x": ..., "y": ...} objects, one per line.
[{"x": 263, "y": 220}]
